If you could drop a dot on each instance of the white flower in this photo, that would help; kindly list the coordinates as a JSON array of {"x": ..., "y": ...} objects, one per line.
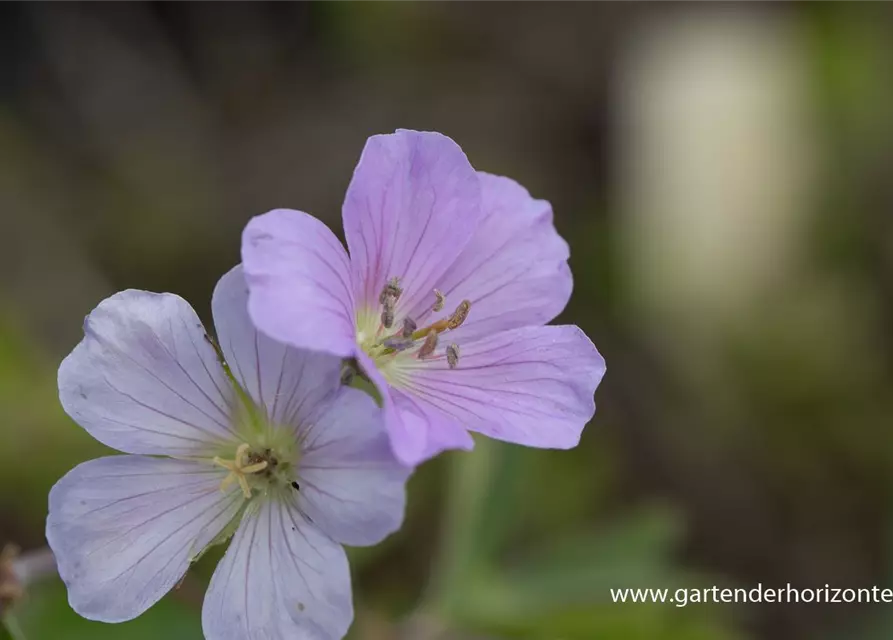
[{"x": 268, "y": 447}]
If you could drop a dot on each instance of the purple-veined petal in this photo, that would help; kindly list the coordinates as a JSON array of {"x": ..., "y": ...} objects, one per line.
[
  {"x": 299, "y": 281},
  {"x": 532, "y": 386},
  {"x": 351, "y": 485},
  {"x": 145, "y": 379},
  {"x": 413, "y": 204},
  {"x": 288, "y": 383},
  {"x": 125, "y": 528},
  {"x": 440, "y": 434},
  {"x": 514, "y": 271},
  {"x": 280, "y": 579},
  {"x": 407, "y": 423}
]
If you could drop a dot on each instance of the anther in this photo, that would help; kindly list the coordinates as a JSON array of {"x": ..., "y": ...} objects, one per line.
[
  {"x": 441, "y": 299},
  {"x": 452, "y": 354},
  {"x": 429, "y": 346},
  {"x": 409, "y": 326},
  {"x": 387, "y": 313},
  {"x": 459, "y": 315},
  {"x": 397, "y": 343},
  {"x": 391, "y": 290}
]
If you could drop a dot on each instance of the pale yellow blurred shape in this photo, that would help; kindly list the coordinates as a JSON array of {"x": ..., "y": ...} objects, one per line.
[{"x": 717, "y": 156}]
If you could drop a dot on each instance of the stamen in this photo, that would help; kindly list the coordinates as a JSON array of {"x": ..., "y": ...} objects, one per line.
[
  {"x": 429, "y": 346},
  {"x": 387, "y": 313},
  {"x": 441, "y": 299},
  {"x": 397, "y": 343},
  {"x": 409, "y": 327},
  {"x": 391, "y": 290},
  {"x": 239, "y": 471},
  {"x": 452, "y": 322},
  {"x": 459, "y": 315},
  {"x": 452, "y": 354}
]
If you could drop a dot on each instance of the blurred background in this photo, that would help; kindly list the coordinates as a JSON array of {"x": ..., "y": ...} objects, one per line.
[{"x": 723, "y": 176}]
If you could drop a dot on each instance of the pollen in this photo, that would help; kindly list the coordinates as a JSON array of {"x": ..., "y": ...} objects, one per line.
[
  {"x": 429, "y": 345},
  {"x": 397, "y": 343},
  {"x": 387, "y": 313},
  {"x": 240, "y": 468},
  {"x": 399, "y": 333},
  {"x": 459, "y": 315},
  {"x": 409, "y": 327},
  {"x": 452, "y": 354},
  {"x": 391, "y": 290},
  {"x": 441, "y": 300}
]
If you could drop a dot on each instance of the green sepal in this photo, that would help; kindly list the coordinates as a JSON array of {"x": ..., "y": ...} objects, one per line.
[{"x": 352, "y": 375}]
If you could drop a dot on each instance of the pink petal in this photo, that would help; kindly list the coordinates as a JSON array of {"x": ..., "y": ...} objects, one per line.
[
  {"x": 417, "y": 430},
  {"x": 413, "y": 204},
  {"x": 299, "y": 282},
  {"x": 288, "y": 383},
  {"x": 514, "y": 271},
  {"x": 532, "y": 386}
]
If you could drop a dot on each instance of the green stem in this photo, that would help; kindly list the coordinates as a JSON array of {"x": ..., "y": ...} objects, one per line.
[
  {"x": 459, "y": 561},
  {"x": 12, "y": 628}
]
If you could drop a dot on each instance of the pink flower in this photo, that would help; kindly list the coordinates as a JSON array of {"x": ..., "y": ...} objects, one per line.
[{"x": 451, "y": 275}]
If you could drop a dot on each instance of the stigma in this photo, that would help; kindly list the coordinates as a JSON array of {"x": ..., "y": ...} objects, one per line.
[{"x": 241, "y": 467}]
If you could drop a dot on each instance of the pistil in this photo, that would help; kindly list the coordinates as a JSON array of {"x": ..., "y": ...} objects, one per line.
[{"x": 239, "y": 470}]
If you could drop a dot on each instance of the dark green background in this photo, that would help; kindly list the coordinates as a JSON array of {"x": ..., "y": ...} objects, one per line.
[{"x": 734, "y": 443}]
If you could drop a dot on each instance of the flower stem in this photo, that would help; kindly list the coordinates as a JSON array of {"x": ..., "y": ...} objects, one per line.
[
  {"x": 12, "y": 628},
  {"x": 459, "y": 560}
]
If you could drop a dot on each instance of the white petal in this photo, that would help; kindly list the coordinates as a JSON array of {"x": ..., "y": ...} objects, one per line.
[
  {"x": 145, "y": 379},
  {"x": 289, "y": 383},
  {"x": 124, "y": 529},
  {"x": 281, "y": 579},
  {"x": 351, "y": 485}
]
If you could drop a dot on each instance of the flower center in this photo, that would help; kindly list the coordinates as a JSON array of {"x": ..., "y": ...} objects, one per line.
[
  {"x": 255, "y": 469},
  {"x": 385, "y": 337}
]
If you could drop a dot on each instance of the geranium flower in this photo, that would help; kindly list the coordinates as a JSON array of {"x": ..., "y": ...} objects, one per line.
[
  {"x": 450, "y": 276},
  {"x": 267, "y": 447}
]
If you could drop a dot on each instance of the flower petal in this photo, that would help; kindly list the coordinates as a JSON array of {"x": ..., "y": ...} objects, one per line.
[
  {"x": 299, "y": 279},
  {"x": 351, "y": 485},
  {"x": 281, "y": 578},
  {"x": 413, "y": 204},
  {"x": 448, "y": 434},
  {"x": 288, "y": 383},
  {"x": 125, "y": 528},
  {"x": 408, "y": 422},
  {"x": 532, "y": 386},
  {"x": 514, "y": 271},
  {"x": 145, "y": 379}
]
